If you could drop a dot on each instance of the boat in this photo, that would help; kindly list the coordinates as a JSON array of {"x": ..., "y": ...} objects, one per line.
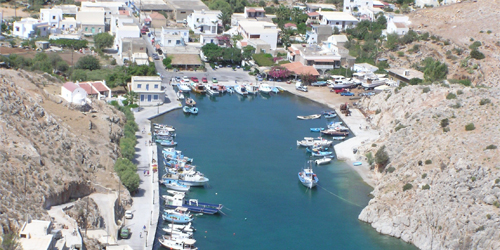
[
  {"x": 317, "y": 129},
  {"x": 186, "y": 109},
  {"x": 338, "y": 128},
  {"x": 308, "y": 117},
  {"x": 307, "y": 177},
  {"x": 358, "y": 163},
  {"x": 186, "y": 177},
  {"x": 198, "y": 88},
  {"x": 188, "y": 228},
  {"x": 265, "y": 88},
  {"x": 158, "y": 126},
  {"x": 212, "y": 89},
  {"x": 192, "y": 205},
  {"x": 193, "y": 110},
  {"x": 175, "y": 185},
  {"x": 177, "y": 244},
  {"x": 222, "y": 89},
  {"x": 338, "y": 138},
  {"x": 230, "y": 89},
  {"x": 252, "y": 89},
  {"x": 171, "y": 153},
  {"x": 240, "y": 89},
  {"x": 184, "y": 86},
  {"x": 324, "y": 160},
  {"x": 177, "y": 233},
  {"x": 167, "y": 143},
  {"x": 180, "y": 95},
  {"x": 275, "y": 90},
  {"x": 182, "y": 216},
  {"x": 310, "y": 141},
  {"x": 316, "y": 149},
  {"x": 333, "y": 132},
  {"x": 190, "y": 102},
  {"x": 330, "y": 116},
  {"x": 321, "y": 153},
  {"x": 319, "y": 83}
]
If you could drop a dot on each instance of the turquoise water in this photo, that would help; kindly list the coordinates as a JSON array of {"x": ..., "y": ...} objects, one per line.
[{"x": 247, "y": 147}]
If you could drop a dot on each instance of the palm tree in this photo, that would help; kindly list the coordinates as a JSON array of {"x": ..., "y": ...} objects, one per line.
[{"x": 225, "y": 17}]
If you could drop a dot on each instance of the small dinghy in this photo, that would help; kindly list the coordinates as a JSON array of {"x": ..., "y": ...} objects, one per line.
[
  {"x": 324, "y": 160},
  {"x": 317, "y": 129},
  {"x": 308, "y": 117}
]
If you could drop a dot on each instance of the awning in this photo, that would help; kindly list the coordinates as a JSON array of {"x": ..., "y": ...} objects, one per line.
[{"x": 324, "y": 60}]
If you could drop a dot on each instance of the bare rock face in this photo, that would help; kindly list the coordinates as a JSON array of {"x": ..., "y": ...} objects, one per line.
[
  {"x": 441, "y": 187},
  {"x": 48, "y": 154},
  {"x": 86, "y": 214}
]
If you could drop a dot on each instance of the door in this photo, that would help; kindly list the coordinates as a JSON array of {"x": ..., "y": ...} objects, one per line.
[
  {"x": 142, "y": 98},
  {"x": 149, "y": 98}
]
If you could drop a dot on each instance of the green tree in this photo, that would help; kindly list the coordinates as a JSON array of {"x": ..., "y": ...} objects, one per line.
[
  {"x": 62, "y": 66},
  {"x": 336, "y": 30},
  {"x": 262, "y": 3},
  {"x": 248, "y": 51},
  {"x": 10, "y": 241},
  {"x": 236, "y": 38},
  {"x": 88, "y": 62},
  {"x": 225, "y": 18},
  {"x": 381, "y": 157},
  {"x": 435, "y": 70},
  {"x": 130, "y": 180},
  {"x": 167, "y": 61},
  {"x": 392, "y": 41},
  {"x": 476, "y": 54},
  {"x": 79, "y": 75},
  {"x": 103, "y": 40}
]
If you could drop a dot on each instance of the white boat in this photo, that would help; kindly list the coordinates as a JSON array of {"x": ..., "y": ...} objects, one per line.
[
  {"x": 177, "y": 244},
  {"x": 188, "y": 228},
  {"x": 180, "y": 95},
  {"x": 175, "y": 185},
  {"x": 310, "y": 141},
  {"x": 193, "y": 179},
  {"x": 212, "y": 89},
  {"x": 240, "y": 89},
  {"x": 265, "y": 88},
  {"x": 324, "y": 160},
  {"x": 176, "y": 234},
  {"x": 307, "y": 177},
  {"x": 252, "y": 89},
  {"x": 308, "y": 117},
  {"x": 158, "y": 126},
  {"x": 184, "y": 86}
]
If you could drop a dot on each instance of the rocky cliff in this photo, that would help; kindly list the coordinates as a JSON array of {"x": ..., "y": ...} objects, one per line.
[
  {"x": 441, "y": 187},
  {"x": 51, "y": 152}
]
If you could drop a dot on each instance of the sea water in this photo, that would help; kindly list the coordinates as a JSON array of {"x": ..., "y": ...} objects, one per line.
[{"x": 247, "y": 148}]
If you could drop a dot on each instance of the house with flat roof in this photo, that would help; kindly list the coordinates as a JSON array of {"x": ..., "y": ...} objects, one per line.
[
  {"x": 251, "y": 14},
  {"x": 254, "y": 12},
  {"x": 266, "y": 31},
  {"x": 341, "y": 20},
  {"x": 398, "y": 24},
  {"x": 51, "y": 16},
  {"x": 111, "y": 8},
  {"x": 157, "y": 20},
  {"x": 203, "y": 21},
  {"x": 35, "y": 235},
  {"x": 148, "y": 88},
  {"x": 129, "y": 46},
  {"x": 182, "y": 8},
  {"x": 126, "y": 30},
  {"x": 355, "y": 5},
  {"x": 404, "y": 75},
  {"x": 320, "y": 58},
  {"x": 172, "y": 36},
  {"x": 312, "y": 7},
  {"x": 318, "y": 33},
  {"x": 29, "y": 27},
  {"x": 91, "y": 20}
]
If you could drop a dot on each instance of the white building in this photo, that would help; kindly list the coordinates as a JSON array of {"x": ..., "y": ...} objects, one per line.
[
  {"x": 265, "y": 31},
  {"x": 51, "y": 16},
  {"x": 354, "y": 5},
  {"x": 149, "y": 90},
  {"x": 204, "y": 21},
  {"x": 209, "y": 38},
  {"x": 174, "y": 36},
  {"x": 320, "y": 58},
  {"x": 68, "y": 24},
  {"x": 341, "y": 20},
  {"x": 423, "y": 3},
  {"x": 73, "y": 93},
  {"x": 364, "y": 67},
  {"x": 91, "y": 20},
  {"x": 28, "y": 27},
  {"x": 35, "y": 235},
  {"x": 111, "y": 8},
  {"x": 126, "y": 30},
  {"x": 96, "y": 89},
  {"x": 398, "y": 24}
]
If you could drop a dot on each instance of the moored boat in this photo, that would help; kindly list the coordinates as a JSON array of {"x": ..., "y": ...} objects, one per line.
[
  {"x": 324, "y": 160},
  {"x": 308, "y": 117},
  {"x": 240, "y": 89},
  {"x": 321, "y": 153},
  {"x": 198, "y": 88},
  {"x": 178, "y": 201},
  {"x": 188, "y": 228},
  {"x": 252, "y": 89},
  {"x": 180, "y": 95},
  {"x": 265, "y": 88},
  {"x": 174, "y": 185},
  {"x": 190, "y": 102},
  {"x": 177, "y": 244},
  {"x": 317, "y": 129},
  {"x": 184, "y": 86},
  {"x": 309, "y": 141},
  {"x": 179, "y": 217},
  {"x": 166, "y": 143},
  {"x": 212, "y": 89},
  {"x": 307, "y": 177},
  {"x": 334, "y": 132}
]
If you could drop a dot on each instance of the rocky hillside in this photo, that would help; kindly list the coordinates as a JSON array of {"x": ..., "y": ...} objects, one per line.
[
  {"x": 441, "y": 187},
  {"x": 51, "y": 152}
]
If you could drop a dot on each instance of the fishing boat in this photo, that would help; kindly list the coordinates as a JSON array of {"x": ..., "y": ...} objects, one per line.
[
  {"x": 319, "y": 83},
  {"x": 222, "y": 89},
  {"x": 275, "y": 90},
  {"x": 212, "y": 89},
  {"x": 166, "y": 127},
  {"x": 198, "y": 88},
  {"x": 317, "y": 129},
  {"x": 310, "y": 141},
  {"x": 241, "y": 90},
  {"x": 230, "y": 89},
  {"x": 307, "y": 177},
  {"x": 171, "y": 153},
  {"x": 192, "y": 205},
  {"x": 321, "y": 153},
  {"x": 167, "y": 143},
  {"x": 194, "y": 178},
  {"x": 324, "y": 160},
  {"x": 308, "y": 117},
  {"x": 184, "y": 86},
  {"x": 175, "y": 185},
  {"x": 252, "y": 89},
  {"x": 333, "y": 132},
  {"x": 180, "y": 95},
  {"x": 190, "y": 102},
  {"x": 316, "y": 149},
  {"x": 178, "y": 234},
  {"x": 338, "y": 138},
  {"x": 177, "y": 244},
  {"x": 188, "y": 228},
  {"x": 330, "y": 116},
  {"x": 338, "y": 127},
  {"x": 265, "y": 88},
  {"x": 180, "y": 216}
]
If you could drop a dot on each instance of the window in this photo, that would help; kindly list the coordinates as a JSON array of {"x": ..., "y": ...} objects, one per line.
[
  {"x": 139, "y": 86},
  {"x": 53, "y": 17},
  {"x": 169, "y": 41},
  {"x": 156, "y": 86},
  {"x": 155, "y": 97},
  {"x": 183, "y": 12},
  {"x": 142, "y": 98},
  {"x": 337, "y": 23},
  {"x": 147, "y": 86},
  {"x": 17, "y": 28},
  {"x": 86, "y": 28}
]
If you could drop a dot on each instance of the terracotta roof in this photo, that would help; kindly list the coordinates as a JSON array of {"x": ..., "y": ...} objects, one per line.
[
  {"x": 147, "y": 19},
  {"x": 157, "y": 16},
  {"x": 100, "y": 86},
  {"x": 290, "y": 25},
  {"x": 70, "y": 86},
  {"x": 250, "y": 10},
  {"x": 124, "y": 12},
  {"x": 299, "y": 69},
  {"x": 313, "y": 13},
  {"x": 87, "y": 88},
  {"x": 255, "y": 10},
  {"x": 243, "y": 44}
]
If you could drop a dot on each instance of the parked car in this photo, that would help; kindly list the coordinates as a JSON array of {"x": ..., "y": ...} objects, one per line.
[
  {"x": 177, "y": 78},
  {"x": 194, "y": 79},
  {"x": 204, "y": 80},
  {"x": 346, "y": 93},
  {"x": 155, "y": 56},
  {"x": 214, "y": 80},
  {"x": 124, "y": 232},
  {"x": 338, "y": 91},
  {"x": 129, "y": 214}
]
